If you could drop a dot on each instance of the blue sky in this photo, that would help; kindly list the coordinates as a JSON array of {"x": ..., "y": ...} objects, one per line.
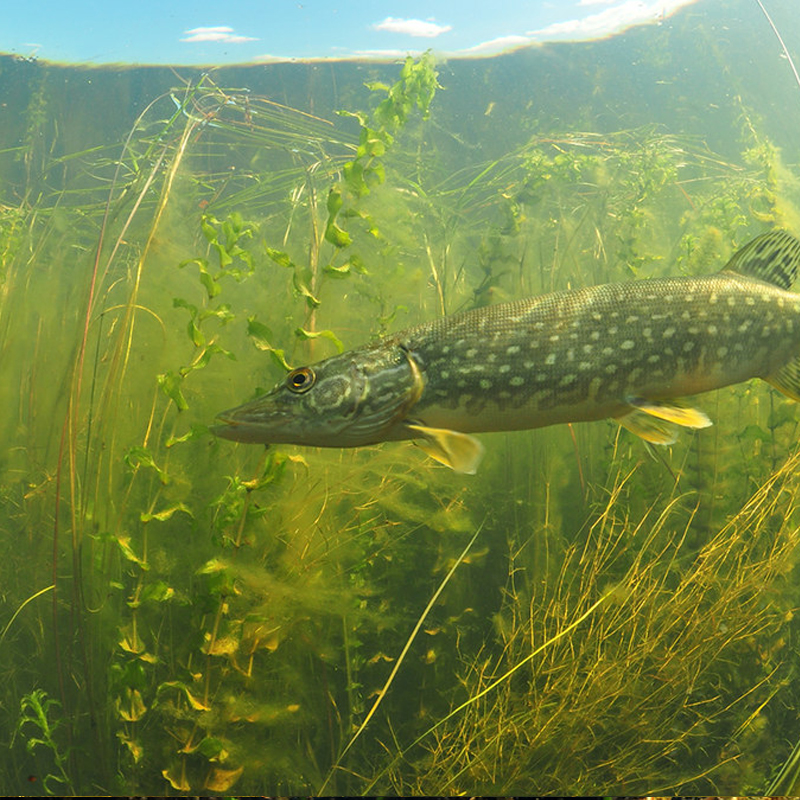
[{"x": 242, "y": 31}]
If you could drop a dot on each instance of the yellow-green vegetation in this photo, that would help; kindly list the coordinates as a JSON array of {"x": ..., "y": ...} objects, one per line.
[
  {"x": 182, "y": 615},
  {"x": 653, "y": 677}
]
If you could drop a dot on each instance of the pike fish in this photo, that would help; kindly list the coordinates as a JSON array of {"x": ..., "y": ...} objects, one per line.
[{"x": 629, "y": 351}]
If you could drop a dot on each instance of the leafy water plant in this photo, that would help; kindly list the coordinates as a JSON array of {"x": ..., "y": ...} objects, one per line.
[
  {"x": 240, "y": 619},
  {"x": 210, "y": 702},
  {"x": 36, "y": 713}
]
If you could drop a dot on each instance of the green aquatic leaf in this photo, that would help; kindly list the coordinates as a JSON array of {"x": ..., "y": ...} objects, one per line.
[
  {"x": 220, "y": 780},
  {"x": 280, "y": 258},
  {"x": 195, "y": 432},
  {"x": 244, "y": 256},
  {"x": 170, "y": 383},
  {"x": 221, "y": 579},
  {"x": 194, "y": 702},
  {"x": 195, "y": 334},
  {"x": 176, "y": 776},
  {"x": 208, "y": 225},
  {"x": 210, "y": 284},
  {"x": 134, "y": 746},
  {"x": 337, "y": 236},
  {"x": 222, "y": 313},
  {"x": 234, "y": 228},
  {"x": 416, "y": 87},
  {"x": 330, "y": 335},
  {"x": 130, "y": 707},
  {"x": 165, "y": 514},
  {"x": 302, "y": 290},
  {"x": 224, "y": 237},
  {"x": 213, "y": 748},
  {"x": 132, "y": 673},
  {"x": 139, "y": 456},
  {"x": 300, "y": 279},
  {"x": 211, "y": 567},
  {"x": 373, "y": 143},
  {"x": 158, "y": 592},
  {"x": 378, "y": 172},
  {"x": 124, "y": 544},
  {"x": 130, "y": 641},
  {"x": 337, "y": 272},
  {"x": 204, "y": 357},
  {"x": 260, "y": 335},
  {"x": 334, "y": 203},
  {"x": 333, "y": 233},
  {"x": 359, "y": 115},
  {"x": 179, "y": 302},
  {"x": 209, "y": 281},
  {"x": 353, "y": 173},
  {"x": 353, "y": 264}
]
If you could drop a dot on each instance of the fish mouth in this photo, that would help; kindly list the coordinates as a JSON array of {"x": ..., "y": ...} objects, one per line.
[
  {"x": 236, "y": 426},
  {"x": 250, "y": 425},
  {"x": 236, "y": 431}
]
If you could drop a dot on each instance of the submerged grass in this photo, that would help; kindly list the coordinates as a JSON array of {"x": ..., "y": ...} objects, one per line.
[
  {"x": 657, "y": 689},
  {"x": 248, "y": 620}
]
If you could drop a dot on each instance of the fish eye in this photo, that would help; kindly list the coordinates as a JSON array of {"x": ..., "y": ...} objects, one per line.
[{"x": 300, "y": 380}]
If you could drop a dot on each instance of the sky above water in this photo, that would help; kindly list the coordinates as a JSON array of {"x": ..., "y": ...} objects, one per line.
[{"x": 246, "y": 31}]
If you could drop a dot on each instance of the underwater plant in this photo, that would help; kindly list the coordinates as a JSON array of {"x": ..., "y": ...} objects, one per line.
[
  {"x": 225, "y": 619},
  {"x": 36, "y": 709},
  {"x": 612, "y": 673}
]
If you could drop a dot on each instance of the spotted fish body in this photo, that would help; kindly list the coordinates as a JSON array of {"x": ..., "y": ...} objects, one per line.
[{"x": 628, "y": 351}]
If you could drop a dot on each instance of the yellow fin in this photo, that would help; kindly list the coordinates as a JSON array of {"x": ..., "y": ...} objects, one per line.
[
  {"x": 675, "y": 411},
  {"x": 650, "y": 428},
  {"x": 787, "y": 379},
  {"x": 456, "y": 450}
]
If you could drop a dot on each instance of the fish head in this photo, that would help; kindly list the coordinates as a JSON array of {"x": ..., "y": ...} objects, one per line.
[{"x": 356, "y": 398}]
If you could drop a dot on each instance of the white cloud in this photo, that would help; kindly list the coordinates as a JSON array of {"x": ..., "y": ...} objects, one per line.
[
  {"x": 603, "y": 23},
  {"x": 610, "y": 20},
  {"x": 382, "y": 55},
  {"x": 349, "y": 55},
  {"x": 267, "y": 58},
  {"x": 412, "y": 27},
  {"x": 498, "y": 45},
  {"x": 218, "y": 33}
]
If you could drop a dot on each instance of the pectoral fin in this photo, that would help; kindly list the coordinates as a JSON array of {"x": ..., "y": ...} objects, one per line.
[
  {"x": 674, "y": 411},
  {"x": 657, "y": 421},
  {"x": 650, "y": 428},
  {"x": 458, "y": 451}
]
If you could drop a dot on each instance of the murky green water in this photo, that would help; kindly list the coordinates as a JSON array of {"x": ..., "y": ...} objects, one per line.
[{"x": 183, "y": 615}]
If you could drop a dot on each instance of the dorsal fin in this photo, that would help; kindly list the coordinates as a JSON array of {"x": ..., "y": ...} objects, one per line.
[{"x": 773, "y": 257}]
